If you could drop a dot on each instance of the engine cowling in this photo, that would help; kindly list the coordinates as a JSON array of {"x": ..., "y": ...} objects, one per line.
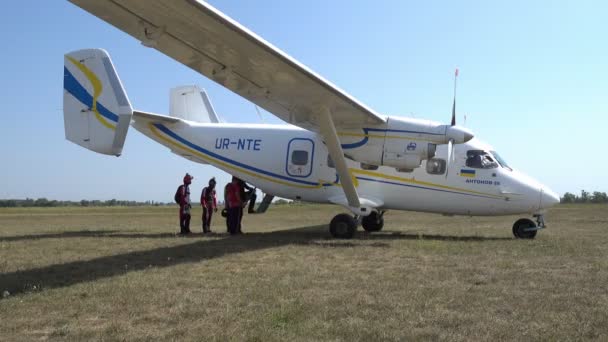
[
  {"x": 402, "y": 143},
  {"x": 407, "y": 156}
]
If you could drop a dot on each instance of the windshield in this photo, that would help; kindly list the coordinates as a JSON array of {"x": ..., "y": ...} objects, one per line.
[
  {"x": 480, "y": 159},
  {"x": 501, "y": 161}
]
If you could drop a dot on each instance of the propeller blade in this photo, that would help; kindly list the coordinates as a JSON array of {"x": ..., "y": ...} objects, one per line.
[
  {"x": 450, "y": 156},
  {"x": 454, "y": 113},
  {"x": 454, "y": 103}
]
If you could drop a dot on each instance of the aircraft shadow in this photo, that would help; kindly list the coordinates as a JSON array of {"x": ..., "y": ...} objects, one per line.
[
  {"x": 86, "y": 233},
  {"x": 75, "y": 272},
  {"x": 436, "y": 237}
]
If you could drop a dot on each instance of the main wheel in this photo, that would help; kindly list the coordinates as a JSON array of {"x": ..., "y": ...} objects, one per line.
[
  {"x": 372, "y": 222},
  {"x": 520, "y": 229},
  {"x": 343, "y": 226}
]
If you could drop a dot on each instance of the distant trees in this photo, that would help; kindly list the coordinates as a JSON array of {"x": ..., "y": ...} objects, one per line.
[
  {"x": 585, "y": 197},
  {"x": 44, "y": 202}
]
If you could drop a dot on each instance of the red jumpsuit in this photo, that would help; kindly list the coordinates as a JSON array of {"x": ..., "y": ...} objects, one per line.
[{"x": 234, "y": 204}]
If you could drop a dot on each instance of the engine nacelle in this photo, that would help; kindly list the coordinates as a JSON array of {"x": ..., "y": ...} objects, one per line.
[
  {"x": 402, "y": 143},
  {"x": 407, "y": 155}
]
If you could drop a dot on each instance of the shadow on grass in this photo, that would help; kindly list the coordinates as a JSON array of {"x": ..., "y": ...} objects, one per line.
[
  {"x": 412, "y": 236},
  {"x": 86, "y": 233},
  {"x": 67, "y": 274}
]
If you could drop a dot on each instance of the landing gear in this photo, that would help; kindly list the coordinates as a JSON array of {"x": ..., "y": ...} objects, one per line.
[
  {"x": 525, "y": 229},
  {"x": 343, "y": 226},
  {"x": 373, "y": 222}
]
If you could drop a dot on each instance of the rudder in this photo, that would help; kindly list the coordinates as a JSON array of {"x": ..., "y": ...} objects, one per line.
[{"x": 96, "y": 110}]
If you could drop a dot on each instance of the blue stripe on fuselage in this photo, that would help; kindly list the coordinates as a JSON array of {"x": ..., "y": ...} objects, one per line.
[{"x": 193, "y": 146}]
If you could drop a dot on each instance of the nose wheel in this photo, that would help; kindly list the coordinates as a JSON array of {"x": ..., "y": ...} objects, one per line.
[{"x": 525, "y": 229}]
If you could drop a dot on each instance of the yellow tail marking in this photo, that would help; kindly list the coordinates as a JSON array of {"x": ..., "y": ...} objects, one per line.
[{"x": 97, "y": 89}]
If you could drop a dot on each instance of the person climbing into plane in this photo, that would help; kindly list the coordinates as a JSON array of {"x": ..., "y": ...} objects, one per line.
[
  {"x": 225, "y": 210},
  {"x": 234, "y": 205},
  {"x": 246, "y": 192},
  {"x": 182, "y": 197},
  {"x": 209, "y": 204}
]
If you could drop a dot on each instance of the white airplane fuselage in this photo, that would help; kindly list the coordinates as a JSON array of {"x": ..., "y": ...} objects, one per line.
[{"x": 262, "y": 155}]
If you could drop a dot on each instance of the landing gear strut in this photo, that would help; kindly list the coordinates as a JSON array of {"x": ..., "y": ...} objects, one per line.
[
  {"x": 373, "y": 222},
  {"x": 343, "y": 226}
]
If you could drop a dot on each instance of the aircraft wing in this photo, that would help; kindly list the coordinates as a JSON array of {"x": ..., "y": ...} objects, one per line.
[{"x": 206, "y": 40}]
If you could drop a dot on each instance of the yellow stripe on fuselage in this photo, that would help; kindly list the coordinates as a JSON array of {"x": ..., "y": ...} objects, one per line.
[
  {"x": 171, "y": 142},
  {"x": 413, "y": 181}
]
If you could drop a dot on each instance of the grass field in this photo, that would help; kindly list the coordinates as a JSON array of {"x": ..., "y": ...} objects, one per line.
[{"x": 122, "y": 274}]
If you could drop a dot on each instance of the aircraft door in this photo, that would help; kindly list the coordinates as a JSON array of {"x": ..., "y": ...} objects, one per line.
[{"x": 300, "y": 157}]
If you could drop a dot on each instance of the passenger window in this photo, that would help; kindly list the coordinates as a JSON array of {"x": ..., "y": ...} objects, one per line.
[
  {"x": 299, "y": 157},
  {"x": 479, "y": 159},
  {"x": 369, "y": 166},
  {"x": 330, "y": 162},
  {"x": 436, "y": 166}
]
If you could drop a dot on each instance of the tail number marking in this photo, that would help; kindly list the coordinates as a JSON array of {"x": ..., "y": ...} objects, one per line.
[{"x": 238, "y": 144}]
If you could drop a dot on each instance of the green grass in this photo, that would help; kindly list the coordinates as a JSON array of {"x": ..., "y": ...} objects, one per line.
[{"x": 122, "y": 274}]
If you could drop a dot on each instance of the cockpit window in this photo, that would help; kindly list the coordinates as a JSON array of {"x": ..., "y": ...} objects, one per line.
[
  {"x": 435, "y": 166},
  {"x": 501, "y": 161},
  {"x": 479, "y": 159}
]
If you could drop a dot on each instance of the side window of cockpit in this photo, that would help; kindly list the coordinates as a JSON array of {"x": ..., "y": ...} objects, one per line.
[
  {"x": 436, "y": 166},
  {"x": 479, "y": 159},
  {"x": 330, "y": 162},
  {"x": 299, "y": 157}
]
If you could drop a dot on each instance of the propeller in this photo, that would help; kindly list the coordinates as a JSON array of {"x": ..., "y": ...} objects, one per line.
[
  {"x": 454, "y": 103},
  {"x": 453, "y": 123}
]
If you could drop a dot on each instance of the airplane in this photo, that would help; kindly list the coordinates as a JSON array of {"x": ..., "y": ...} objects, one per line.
[{"x": 333, "y": 149}]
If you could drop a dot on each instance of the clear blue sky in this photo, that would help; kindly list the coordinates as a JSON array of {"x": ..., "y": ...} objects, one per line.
[{"x": 533, "y": 83}]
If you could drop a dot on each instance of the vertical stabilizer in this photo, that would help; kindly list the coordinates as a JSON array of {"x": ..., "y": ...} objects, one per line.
[
  {"x": 192, "y": 104},
  {"x": 96, "y": 110}
]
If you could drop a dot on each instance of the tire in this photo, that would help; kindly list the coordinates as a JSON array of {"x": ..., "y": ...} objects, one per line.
[
  {"x": 520, "y": 226},
  {"x": 343, "y": 226},
  {"x": 373, "y": 222}
]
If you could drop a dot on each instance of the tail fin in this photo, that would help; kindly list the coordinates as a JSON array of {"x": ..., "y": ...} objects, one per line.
[
  {"x": 96, "y": 110},
  {"x": 191, "y": 103}
]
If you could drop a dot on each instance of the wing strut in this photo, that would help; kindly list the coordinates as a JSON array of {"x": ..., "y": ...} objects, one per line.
[{"x": 328, "y": 131}]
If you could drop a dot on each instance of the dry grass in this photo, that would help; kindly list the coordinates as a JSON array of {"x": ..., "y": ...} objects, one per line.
[{"x": 121, "y": 274}]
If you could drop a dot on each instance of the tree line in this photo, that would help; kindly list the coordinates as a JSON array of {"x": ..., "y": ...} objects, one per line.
[
  {"x": 585, "y": 197},
  {"x": 43, "y": 202}
]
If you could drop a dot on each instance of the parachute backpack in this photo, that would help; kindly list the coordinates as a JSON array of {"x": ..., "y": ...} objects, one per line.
[{"x": 178, "y": 194}]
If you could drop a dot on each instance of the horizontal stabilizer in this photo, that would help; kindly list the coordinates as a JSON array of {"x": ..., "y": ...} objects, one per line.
[{"x": 155, "y": 117}]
